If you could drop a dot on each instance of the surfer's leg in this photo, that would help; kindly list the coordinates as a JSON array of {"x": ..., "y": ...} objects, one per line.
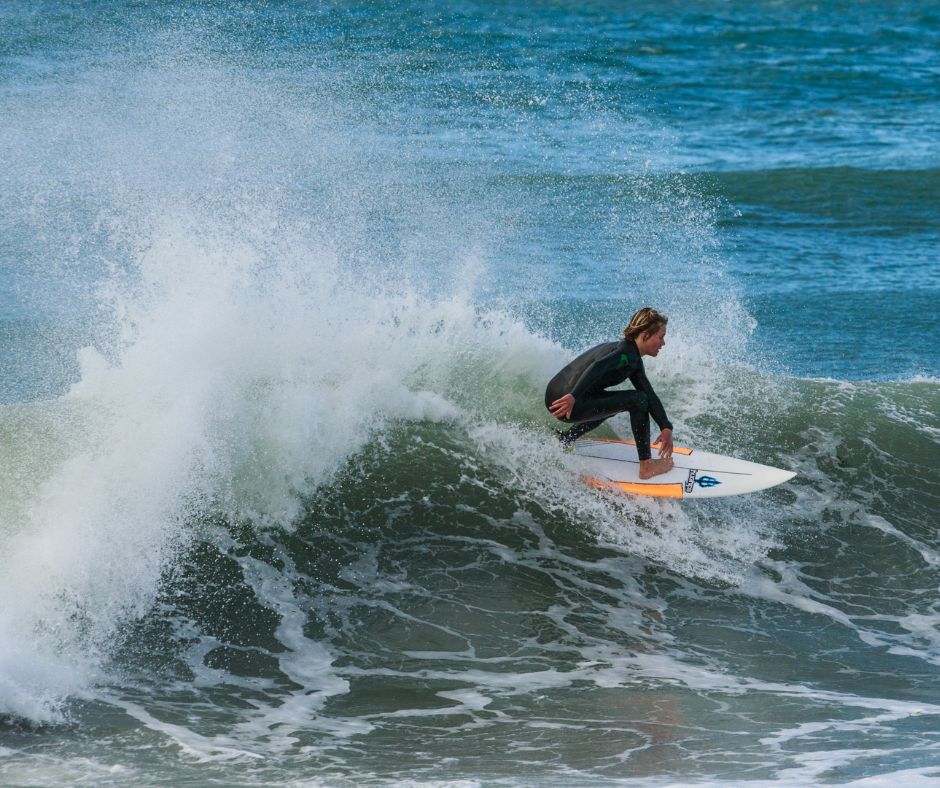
[
  {"x": 604, "y": 404},
  {"x": 594, "y": 410},
  {"x": 569, "y": 436},
  {"x": 638, "y": 405}
]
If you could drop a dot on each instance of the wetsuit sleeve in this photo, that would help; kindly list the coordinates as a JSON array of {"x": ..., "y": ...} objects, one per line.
[
  {"x": 590, "y": 377},
  {"x": 657, "y": 411}
]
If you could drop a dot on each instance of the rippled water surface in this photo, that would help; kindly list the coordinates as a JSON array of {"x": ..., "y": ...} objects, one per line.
[{"x": 281, "y": 286}]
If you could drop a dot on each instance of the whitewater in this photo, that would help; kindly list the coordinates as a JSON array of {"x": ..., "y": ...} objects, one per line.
[{"x": 280, "y": 291}]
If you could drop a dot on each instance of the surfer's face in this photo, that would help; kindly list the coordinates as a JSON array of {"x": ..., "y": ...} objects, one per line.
[{"x": 651, "y": 344}]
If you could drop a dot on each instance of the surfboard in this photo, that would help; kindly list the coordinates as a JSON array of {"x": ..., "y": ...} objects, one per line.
[{"x": 614, "y": 465}]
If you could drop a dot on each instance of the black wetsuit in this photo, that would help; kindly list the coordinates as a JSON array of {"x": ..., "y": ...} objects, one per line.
[{"x": 587, "y": 379}]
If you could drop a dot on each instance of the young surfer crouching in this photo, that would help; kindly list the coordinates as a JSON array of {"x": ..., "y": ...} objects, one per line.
[{"x": 578, "y": 394}]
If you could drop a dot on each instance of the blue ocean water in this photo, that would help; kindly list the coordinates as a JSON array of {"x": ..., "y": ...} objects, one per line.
[{"x": 281, "y": 285}]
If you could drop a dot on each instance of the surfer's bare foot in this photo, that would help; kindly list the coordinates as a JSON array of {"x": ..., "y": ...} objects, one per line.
[{"x": 651, "y": 468}]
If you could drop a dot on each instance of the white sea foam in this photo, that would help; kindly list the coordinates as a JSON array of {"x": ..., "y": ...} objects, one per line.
[{"x": 240, "y": 378}]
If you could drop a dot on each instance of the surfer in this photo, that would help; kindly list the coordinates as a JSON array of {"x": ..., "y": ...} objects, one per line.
[{"x": 579, "y": 394}]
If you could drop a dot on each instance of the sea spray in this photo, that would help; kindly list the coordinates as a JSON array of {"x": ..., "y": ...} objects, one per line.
[{"x": 236, "y": 383}]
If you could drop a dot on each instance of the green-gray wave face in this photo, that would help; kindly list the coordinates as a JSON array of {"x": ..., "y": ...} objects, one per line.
[{"x": 281, "y": 287}]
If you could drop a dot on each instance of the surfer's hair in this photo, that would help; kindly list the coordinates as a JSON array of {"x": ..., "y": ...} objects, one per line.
[{"x": 644, "y": 321}]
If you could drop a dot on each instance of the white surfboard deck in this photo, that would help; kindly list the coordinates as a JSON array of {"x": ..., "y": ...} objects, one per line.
[{"x": 614, "y": 465}]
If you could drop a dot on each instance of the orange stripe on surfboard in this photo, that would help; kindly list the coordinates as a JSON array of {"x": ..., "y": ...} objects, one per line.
[
  {"x": 671, "y": 490},
  {"x": 676, "y": 449}
]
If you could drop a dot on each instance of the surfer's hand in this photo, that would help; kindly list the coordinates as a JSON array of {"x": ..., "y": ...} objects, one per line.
[
  {"x": 561, "y": 408},
  {"x": 665, "y": 443}
]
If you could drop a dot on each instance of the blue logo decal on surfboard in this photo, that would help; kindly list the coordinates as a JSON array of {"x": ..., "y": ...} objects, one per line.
[{"x": 707, "y": 481}]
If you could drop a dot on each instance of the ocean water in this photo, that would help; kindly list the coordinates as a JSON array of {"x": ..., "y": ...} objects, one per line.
[{"x": 281, "y": 285}]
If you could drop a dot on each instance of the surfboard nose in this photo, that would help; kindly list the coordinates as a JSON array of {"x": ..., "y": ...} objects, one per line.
[{"x": 774, "y": 476}]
